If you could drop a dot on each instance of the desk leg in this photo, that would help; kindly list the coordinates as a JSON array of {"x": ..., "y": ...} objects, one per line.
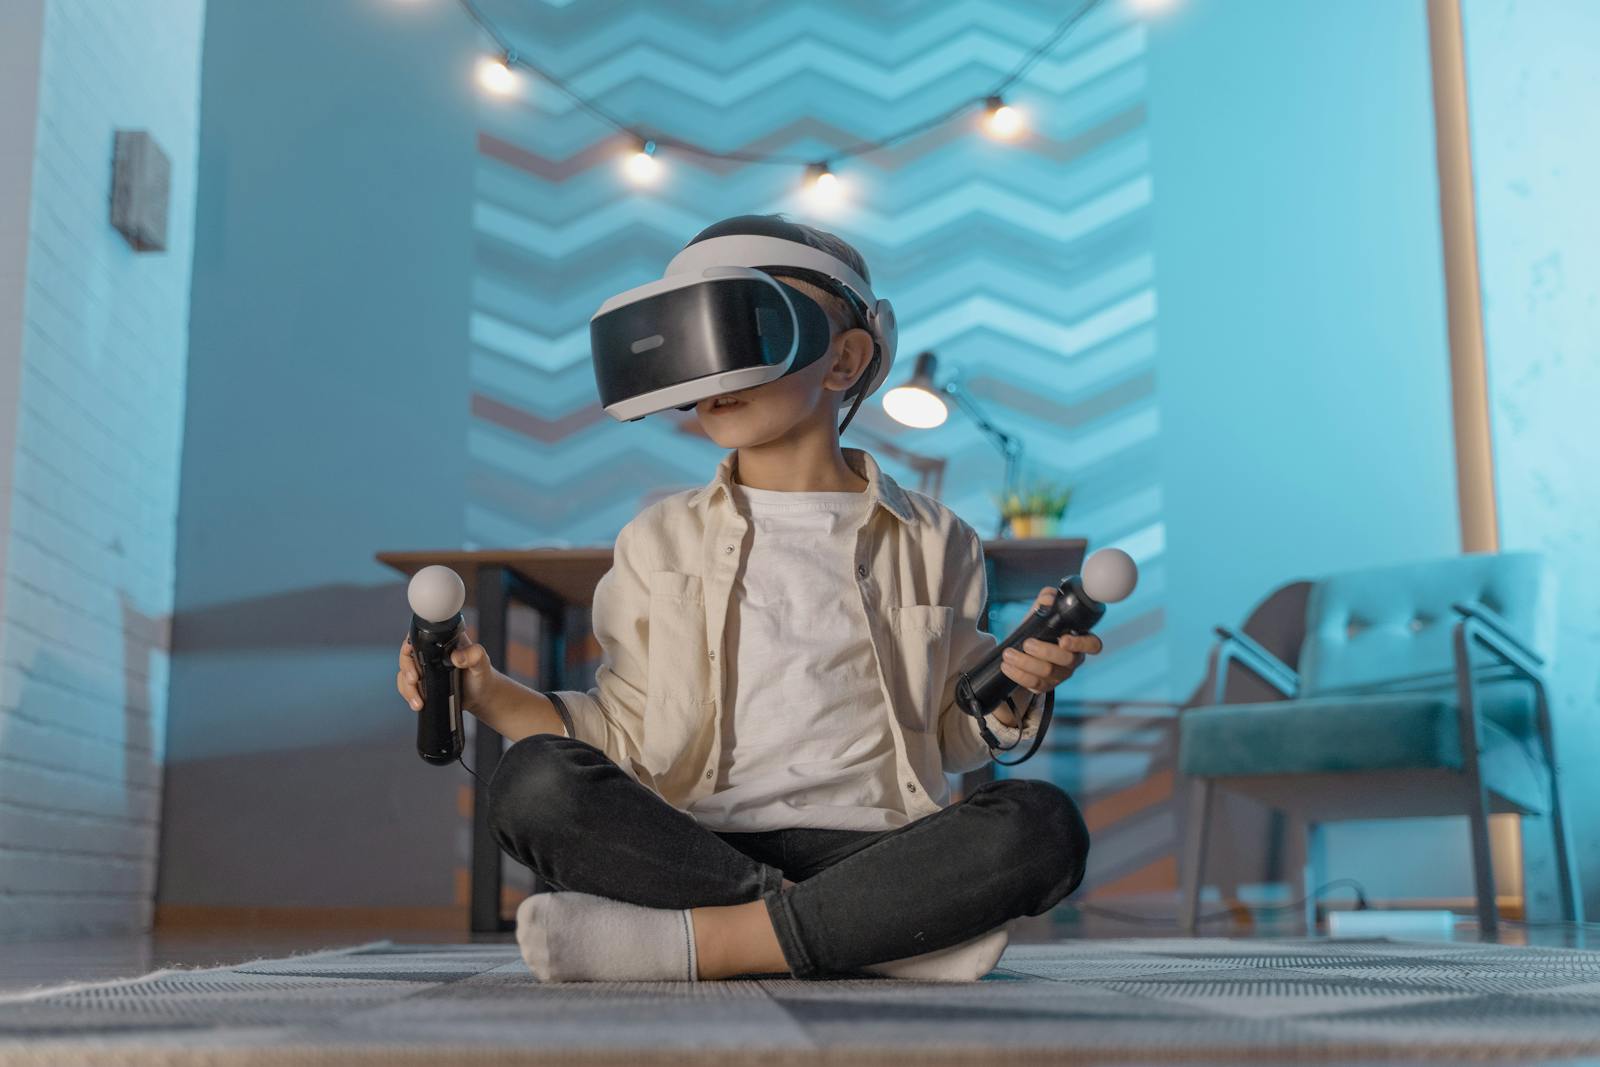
[
  {"x": 552, "y": 656},
  {"x": 493, "y": 607}
]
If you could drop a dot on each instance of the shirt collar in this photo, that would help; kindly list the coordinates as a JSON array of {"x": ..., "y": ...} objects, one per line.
[{"x": 881, "y": 489}]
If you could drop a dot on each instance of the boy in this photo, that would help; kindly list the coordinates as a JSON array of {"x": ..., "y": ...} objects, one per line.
[{"x": 803, "y": 824}]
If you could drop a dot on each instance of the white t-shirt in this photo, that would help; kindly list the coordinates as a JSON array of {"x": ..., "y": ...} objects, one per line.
[{"x": 805, "y": 736}]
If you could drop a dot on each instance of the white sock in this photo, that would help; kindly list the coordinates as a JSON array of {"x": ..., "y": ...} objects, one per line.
[
  {"x": 967, "y": 961},
  {"x": 578, "y": 937}
]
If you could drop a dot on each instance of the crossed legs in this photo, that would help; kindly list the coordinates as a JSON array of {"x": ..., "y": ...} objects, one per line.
[{"x": 1014, "y": 847}]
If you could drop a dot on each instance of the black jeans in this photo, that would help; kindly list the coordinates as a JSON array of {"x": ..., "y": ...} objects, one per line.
[{"x": 1014, "y": 847}]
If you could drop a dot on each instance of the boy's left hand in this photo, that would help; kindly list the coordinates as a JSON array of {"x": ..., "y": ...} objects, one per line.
[{"x": 1039, "y": 666}]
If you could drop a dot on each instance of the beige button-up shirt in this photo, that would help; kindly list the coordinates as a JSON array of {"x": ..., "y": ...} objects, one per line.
[{"x": 659, "y": 612}]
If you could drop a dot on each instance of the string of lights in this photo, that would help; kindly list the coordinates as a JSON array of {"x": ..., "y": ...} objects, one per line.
[{"x": 496, "y": 73}]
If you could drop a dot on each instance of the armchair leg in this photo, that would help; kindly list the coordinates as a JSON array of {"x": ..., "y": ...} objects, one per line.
[
  {"x": 1566, "y": 862},
  {"x": 1296, "y": 867},
  {"x": 1470, "y": 733},
  {"x": 1195, "y": 852},
  {"x": 1482, "y": 862},
  {"x": 1316, "y": 872}
]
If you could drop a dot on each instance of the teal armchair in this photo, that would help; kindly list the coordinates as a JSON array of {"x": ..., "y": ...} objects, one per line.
[{"x": 1421, "y": 690}]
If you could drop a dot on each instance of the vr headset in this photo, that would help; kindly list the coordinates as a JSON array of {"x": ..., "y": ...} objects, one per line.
[{"x": 718, "y": 321}]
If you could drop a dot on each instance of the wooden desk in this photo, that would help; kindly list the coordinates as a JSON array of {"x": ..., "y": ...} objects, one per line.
[
  {"x": 549, "y": 580},
  {"x": 1017, "y": 568}
]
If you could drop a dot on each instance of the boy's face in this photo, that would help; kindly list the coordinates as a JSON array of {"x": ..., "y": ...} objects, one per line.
[{"x": 794, "y": 402}]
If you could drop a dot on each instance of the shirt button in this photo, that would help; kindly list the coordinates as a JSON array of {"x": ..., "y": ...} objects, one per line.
[
  {"x": 708, "y": 776},
  {"x": 727, "y": 549},
  {"x": 911, "y": 786},
  {"x": 861, "y": 570},
  {"x": 712, "y": 653}
]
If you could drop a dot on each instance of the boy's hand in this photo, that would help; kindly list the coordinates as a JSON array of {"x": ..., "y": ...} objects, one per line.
[
  {"x": 1039, "y": 666},
  {"x": 477, "y": 673}
]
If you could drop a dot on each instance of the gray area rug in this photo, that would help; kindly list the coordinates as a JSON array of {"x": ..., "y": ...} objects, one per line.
[{"x": 1136, "y": 1000}]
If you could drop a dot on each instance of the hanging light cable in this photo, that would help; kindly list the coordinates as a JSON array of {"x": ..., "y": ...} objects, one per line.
[{"x": 999, "y": 116}]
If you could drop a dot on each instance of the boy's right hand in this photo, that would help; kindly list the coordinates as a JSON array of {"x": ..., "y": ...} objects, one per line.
[{"x": 477, "y": 673}]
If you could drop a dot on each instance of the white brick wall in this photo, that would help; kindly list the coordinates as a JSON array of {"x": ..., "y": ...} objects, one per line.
[{"x": 87, "y": 600}]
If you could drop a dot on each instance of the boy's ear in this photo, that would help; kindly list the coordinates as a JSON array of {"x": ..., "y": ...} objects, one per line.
[{"x": 855, "y": 353}]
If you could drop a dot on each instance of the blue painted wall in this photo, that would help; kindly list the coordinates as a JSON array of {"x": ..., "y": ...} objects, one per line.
[
  {"x": 327, "y": 421},
  {"x": 1304, "y": 369},
  {"x": 1533, "y": 90}
]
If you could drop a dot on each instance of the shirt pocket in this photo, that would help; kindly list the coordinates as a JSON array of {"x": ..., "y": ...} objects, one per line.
[
  {"x": 678, "y": 670},
  {"x": 679, "y": 711},
  {"x": 922, "y": 649}
]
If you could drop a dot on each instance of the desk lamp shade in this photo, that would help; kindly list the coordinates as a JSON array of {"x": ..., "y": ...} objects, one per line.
[{"x": 917, "y": 403}]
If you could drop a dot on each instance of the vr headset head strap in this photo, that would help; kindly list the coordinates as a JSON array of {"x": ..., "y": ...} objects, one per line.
[{"x": 756, "y": 250}]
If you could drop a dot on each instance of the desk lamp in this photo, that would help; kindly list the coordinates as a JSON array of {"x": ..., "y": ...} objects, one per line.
[{"x": 920, "y": 404}]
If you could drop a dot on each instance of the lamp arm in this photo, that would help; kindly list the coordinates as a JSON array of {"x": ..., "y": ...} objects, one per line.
[
  {"x": 1006, "y": 442},
  {"x": 1010, "y": 445}
]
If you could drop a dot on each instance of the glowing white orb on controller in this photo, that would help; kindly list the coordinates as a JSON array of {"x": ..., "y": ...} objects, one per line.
[
  {"x": 1109, "y": 575},
  {"x": 436, "y": 593}
]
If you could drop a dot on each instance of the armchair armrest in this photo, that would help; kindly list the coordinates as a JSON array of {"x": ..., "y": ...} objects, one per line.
[
  {"x": 1237, "y": 646},
  {"x": 1492, "y": 631}
]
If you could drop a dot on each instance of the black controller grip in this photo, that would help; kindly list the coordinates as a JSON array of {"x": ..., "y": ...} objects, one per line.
[
  {"x": 984, "y": 687},
  {"x": 440, "y": 734}
]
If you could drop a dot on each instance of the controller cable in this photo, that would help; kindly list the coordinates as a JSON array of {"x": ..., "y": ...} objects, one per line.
[
  {"x": 994, "y": 742},
  {"x": 470, "y": 771}
]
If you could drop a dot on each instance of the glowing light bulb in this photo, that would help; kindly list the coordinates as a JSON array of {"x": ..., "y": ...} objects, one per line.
[
  {"x": 642, "y": 167},
  {"x": 824, "y": 187},
  {"x": 1001, "y": 119},
  {"x": 496, "y": 76}
]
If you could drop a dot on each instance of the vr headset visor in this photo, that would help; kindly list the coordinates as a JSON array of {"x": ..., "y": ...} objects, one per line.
[{"x": 719, "y": 321}]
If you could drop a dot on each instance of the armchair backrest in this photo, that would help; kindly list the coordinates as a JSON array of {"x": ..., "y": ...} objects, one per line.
[{"x": 1375, "y": 625}]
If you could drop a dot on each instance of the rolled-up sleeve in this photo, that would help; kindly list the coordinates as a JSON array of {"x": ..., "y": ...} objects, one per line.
[
  {"x": 962, "y": 748},
  {"x": 610, "y": 715}
]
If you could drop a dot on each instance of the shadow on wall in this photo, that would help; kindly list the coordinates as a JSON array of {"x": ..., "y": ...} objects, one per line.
[
  {"x": 355, "y": 825},
  {"x": 344, "y": 614},
  {"x": 292, "y": 779}
]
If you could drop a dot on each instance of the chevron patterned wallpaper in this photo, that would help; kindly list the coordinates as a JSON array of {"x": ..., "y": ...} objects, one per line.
[{"x": 1026, "y": 264}]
